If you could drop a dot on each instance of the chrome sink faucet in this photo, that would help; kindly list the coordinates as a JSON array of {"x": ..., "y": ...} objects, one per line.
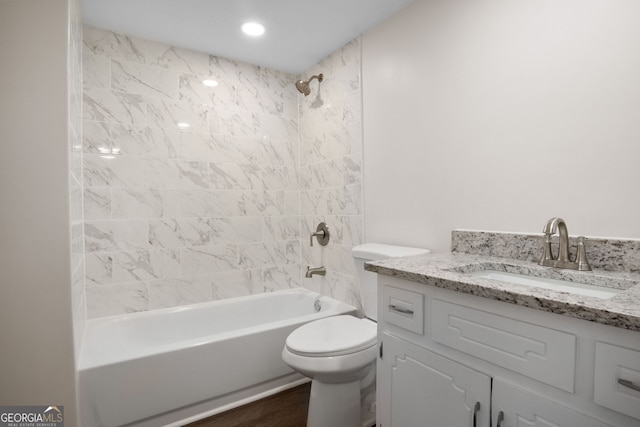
[{"x": 563, "y": 259}]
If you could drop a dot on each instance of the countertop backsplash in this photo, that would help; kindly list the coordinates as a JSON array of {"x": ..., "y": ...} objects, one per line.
[{"x": 609, "y": 254}]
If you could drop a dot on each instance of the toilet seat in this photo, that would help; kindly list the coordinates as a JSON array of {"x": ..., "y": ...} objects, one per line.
[{"x": 332, "y": 336}]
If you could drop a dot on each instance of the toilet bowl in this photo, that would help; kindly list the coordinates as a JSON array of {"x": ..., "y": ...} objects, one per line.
[{"x": 339, "y": 353}]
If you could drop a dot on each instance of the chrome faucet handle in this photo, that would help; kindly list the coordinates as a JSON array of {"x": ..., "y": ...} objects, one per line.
[
  {"x": 581, "y": 257},
  {"x": 318, "y": 234},
  {"x": 322, "y": 233},
  {"x": 547, "y": 254}
]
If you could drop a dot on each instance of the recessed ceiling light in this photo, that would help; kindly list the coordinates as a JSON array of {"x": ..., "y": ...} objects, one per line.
[
  {"x": 253, "y": 29},
  {"x": 210, "y": 83},
  {"x": 183, "y": 125}
]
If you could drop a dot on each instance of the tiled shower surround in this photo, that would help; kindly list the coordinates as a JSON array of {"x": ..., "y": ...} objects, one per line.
[
  {"x": 75, "y": 173},
  {"x": 224, "y": 207}
]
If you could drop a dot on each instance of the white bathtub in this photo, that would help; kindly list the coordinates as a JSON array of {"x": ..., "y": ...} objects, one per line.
[{"x": 176, "y": 365}]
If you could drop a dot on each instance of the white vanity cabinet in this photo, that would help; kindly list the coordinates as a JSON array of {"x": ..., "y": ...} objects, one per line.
[{"x": 449, "y": 359}]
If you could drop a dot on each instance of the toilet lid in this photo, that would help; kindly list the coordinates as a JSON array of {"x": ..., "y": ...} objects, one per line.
[{"x": 332, "y": 336}]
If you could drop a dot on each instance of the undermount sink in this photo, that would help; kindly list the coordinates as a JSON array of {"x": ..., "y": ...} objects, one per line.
[{"x": 546, "y": 283}]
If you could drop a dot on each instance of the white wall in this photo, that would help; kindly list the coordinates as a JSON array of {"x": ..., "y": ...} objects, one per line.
[
  {"x": 499, "y": 114},
  {"x": 36, "y": 333}
]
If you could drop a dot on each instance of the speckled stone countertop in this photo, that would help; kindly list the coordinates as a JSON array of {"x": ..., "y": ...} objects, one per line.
[{"x": 452, "y": 271}]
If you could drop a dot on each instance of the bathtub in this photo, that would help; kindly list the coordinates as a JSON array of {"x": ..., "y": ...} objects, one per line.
[{"x": 177, "y": 365}]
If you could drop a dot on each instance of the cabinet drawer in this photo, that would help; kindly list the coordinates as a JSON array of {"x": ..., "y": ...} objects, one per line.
[
  {"x": 403, "y": 308},
  {"x": 541, "y": 353},
  {"x": 522, "y": 407},
  {"x": 615, "y": 367}
]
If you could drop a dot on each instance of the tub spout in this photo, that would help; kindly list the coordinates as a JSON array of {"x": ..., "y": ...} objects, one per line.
[{"x": 311, "y": 271}]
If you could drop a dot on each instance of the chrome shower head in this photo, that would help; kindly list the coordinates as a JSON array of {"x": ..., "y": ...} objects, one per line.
[{"x": 303, "y": 85}]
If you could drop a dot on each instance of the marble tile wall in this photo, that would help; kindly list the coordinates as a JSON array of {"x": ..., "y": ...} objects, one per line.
[
  {"x": 75, "y": 174},
  {"x": 331, "y": 147},
  {"x": 182, "y": 215}
]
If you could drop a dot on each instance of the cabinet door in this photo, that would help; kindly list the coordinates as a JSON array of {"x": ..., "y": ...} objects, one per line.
[
  {"x": 418, "y": 388},
  {"x": 523, "y": 408}
]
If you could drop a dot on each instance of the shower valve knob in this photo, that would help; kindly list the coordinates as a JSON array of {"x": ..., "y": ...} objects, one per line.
[{"x": 322, "y": 234}]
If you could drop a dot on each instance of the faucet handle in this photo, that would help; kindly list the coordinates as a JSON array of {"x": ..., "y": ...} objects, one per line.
[
  {"x": 547, "y": 254},
  {"x": 322, "y": 233},
  {"x": 581, "y": 257}
]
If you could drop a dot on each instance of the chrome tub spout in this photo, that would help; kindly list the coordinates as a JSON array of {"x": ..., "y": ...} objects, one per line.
[{"x": 311, "y": 271}]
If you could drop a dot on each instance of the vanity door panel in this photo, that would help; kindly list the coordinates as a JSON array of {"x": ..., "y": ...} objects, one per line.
[{"x": 424, "y": 389}]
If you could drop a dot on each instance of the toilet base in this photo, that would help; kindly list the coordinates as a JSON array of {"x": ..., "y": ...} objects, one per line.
[{"x": 334, "y": 404}]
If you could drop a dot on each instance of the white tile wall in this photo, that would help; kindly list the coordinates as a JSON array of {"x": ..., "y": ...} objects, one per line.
[
  {"x": 330, "y": 128},
  {"x": 224, "y": 207}
]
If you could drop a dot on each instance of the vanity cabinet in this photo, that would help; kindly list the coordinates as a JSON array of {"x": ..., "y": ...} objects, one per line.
[{"x": 453, "y": 359}]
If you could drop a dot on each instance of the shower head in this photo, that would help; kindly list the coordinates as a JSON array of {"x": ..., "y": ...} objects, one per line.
[{"x": 303, "y": 85}]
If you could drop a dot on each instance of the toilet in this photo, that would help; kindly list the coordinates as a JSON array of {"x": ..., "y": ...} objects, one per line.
[{"x": 339, "y": 353}]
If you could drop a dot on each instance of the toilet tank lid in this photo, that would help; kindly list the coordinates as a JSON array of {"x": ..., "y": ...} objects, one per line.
[{"x": 376, "y": 251}]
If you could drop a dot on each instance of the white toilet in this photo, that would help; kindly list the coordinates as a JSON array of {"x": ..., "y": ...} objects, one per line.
[{"x": 339, "y": 353}]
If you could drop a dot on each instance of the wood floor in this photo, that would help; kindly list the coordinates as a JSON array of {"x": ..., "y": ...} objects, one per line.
[{"x": 285, "y": 409}]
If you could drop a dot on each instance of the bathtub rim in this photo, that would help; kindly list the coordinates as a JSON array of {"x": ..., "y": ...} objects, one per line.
[{"x": 337, "y": 307}]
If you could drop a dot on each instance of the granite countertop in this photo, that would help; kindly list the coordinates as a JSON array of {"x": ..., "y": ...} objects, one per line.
[{"x": 451, "y": 271}]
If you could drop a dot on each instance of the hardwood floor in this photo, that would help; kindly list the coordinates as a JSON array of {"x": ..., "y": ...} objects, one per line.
[{"x": 285, "y": 409}]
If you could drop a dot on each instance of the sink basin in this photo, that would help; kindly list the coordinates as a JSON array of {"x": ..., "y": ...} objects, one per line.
[{"x": 546, "y": 283}]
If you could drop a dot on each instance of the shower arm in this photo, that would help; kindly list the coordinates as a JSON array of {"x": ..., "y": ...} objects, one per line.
[{"x": 320, "y": 77}]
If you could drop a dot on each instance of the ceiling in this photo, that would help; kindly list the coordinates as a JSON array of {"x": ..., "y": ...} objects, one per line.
[{"x": 299, "y": 33}]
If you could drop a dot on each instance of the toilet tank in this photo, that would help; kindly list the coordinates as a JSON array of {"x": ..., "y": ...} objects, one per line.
[{"x": 368, "y": 281}]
